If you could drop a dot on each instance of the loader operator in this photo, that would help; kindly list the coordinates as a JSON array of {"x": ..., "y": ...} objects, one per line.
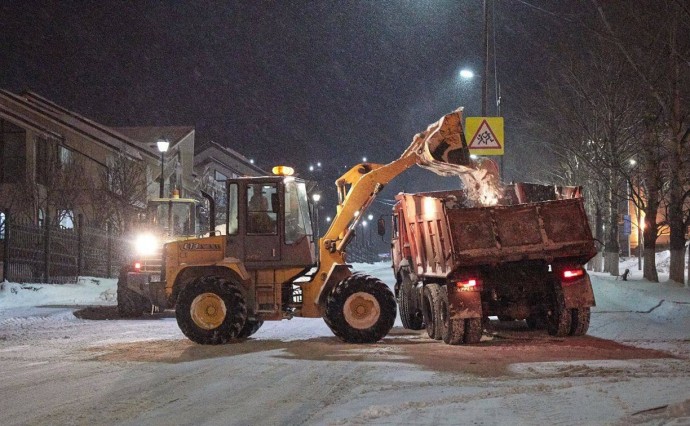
[{"x": 259, "y": 220}]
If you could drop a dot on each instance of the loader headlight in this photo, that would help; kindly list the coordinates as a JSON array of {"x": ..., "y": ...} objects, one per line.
[{"x": 146, "y": 244}]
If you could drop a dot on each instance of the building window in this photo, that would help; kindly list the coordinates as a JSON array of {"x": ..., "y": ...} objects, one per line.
[
  {"x": 65, "y": 219},
  {"x": 2, "y": 225},
  {"x": 65, "y": 157},
  {"x": 220, "y": 177},
  {"x": 41, "y": 218},
  {"x": 12, "y": 152}
]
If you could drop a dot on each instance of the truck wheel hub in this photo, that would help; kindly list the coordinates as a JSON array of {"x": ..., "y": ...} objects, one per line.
[
  {"x": 208, "y": 311},
  {"x": 361, "y": 310}
]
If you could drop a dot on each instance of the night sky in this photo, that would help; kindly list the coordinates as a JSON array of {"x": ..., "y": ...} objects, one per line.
[{"x": 281, "y": 82}]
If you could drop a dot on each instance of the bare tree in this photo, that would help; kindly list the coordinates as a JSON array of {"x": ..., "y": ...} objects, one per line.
[
  {"x": 590, "y": 116},
  {"x": 653, "y": 39},
  {"x": 121, "y": 193}
]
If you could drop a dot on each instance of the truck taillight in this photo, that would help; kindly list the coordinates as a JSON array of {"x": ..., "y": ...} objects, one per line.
[
  {"x": 573, "y": 273},
  {"x": 137, "y": 266},
  {"x": 467, "y": 284}
]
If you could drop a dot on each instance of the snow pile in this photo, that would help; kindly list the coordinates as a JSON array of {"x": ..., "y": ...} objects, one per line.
[{"x": 87, "y": 291}]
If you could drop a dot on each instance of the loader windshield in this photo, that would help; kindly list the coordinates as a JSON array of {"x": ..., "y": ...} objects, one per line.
[{"x": 297, "y": 222}]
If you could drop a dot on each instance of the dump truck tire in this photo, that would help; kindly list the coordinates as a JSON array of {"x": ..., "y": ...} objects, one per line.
[
  {"x": 535, "y": 322},
  {"x": 211, "y": 311},
  {"x": 559, "y": 320},
  {"x": 410, "y": 315},
  {"x": 433, "y": 317},
  {"x": 129, "y": 303},
  {"x": 473, "y": 330},
  {"x": 250, "y": 327},
  {"x": 579, "y": 321},
  {"x": 453, "y": 331},
  {"x": 360, "y": 309}
]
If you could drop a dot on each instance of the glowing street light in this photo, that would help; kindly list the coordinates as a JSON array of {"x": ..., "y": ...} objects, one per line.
[
  {"x": 370, "y": 217},
  {"x": 163, "y": 145},
  {"x": 364, "y": 159},
  {"x": 466, "y": 74}
]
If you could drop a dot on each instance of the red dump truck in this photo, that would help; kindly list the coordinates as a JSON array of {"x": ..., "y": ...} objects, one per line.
[{"x": 519, "y": 260}]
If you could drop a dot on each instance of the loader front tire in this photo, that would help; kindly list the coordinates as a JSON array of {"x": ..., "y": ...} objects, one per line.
[
  {"x": 360, "y": 309},
  {"x": 129, "y": 303},
  {"x": 211, "y": 311}
]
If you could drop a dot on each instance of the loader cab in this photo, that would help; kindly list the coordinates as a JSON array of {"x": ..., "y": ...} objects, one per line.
[{"x": 268, "y": 222}]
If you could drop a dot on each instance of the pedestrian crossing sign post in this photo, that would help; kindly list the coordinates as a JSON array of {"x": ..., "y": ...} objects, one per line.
[{"x": 485, "y": 135}]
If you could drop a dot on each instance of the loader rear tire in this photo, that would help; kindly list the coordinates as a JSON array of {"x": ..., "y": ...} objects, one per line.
[
  {"x": 410, "y": 314},
  {"x": 360, "y": 309},
  {"x": 250, "y": 327},
  {"x": 129, "y": 303},
  {"x": 211, "y": 311},
  {"x": 432, "y": 311},
  {"x": 579, "y": 321}
]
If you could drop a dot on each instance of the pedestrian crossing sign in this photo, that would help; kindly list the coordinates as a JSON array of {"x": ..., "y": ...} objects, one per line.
[{"x": 484, "y": 135}]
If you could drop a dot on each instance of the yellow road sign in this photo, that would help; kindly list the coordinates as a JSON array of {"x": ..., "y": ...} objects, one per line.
[{"x": 485, "y": 135}]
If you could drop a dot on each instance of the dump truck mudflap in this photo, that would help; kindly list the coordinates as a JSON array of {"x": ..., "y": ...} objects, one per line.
[
  {"x": 578, "y": 294},
  {"x": 464, "y": 303}
]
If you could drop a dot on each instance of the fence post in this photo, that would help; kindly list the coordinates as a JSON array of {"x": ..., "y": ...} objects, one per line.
[
  {"x": 80, "y": 244},
  {"x": 6, "y": 250},
  {"x": 46, "y": 250},
  {"x": 110, "y": 250}
]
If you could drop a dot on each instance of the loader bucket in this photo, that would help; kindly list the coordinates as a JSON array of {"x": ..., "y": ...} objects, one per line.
[{"x": 442, "y": 149}]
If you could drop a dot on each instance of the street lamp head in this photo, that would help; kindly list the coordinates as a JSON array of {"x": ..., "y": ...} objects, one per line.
[
  {"x": 316, "y": 197},
  {"x": 364, "y": 223},
  {"x": 466, "y": 74},
  {"x": 633, "y": 161},
  {"x": 163, "y": 145},
  {"x": 328, "y": 219},
  {"x": 370, "y": 217},
  {"x": 364, "y": 159},
  {"x": 318, "y": 164},
  {"x": 311, "y": 168}
]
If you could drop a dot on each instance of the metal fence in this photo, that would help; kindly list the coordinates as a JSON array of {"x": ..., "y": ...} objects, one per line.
[{"x": 50, "y": 254}]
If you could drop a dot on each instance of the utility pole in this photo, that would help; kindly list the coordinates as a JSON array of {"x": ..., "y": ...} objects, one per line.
[{"x": 485, "y": 76}]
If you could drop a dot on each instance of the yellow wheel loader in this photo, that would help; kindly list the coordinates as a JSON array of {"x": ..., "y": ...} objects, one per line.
[{"x": 264, "y": 264}]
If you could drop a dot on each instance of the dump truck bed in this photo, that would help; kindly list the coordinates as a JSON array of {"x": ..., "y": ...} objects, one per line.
[{"x": 444, "y": 237}]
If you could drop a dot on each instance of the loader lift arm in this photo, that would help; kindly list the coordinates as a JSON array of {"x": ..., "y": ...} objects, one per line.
[{"x": 441, "y": 148}]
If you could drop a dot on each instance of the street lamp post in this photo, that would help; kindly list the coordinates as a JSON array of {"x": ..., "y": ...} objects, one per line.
[
  {"x": 316, "y": 197},
  {"x": 163, "y": 145}
]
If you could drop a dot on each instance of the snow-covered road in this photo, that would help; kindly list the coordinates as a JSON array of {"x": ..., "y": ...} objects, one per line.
[{"x": 56, "y": 368}]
